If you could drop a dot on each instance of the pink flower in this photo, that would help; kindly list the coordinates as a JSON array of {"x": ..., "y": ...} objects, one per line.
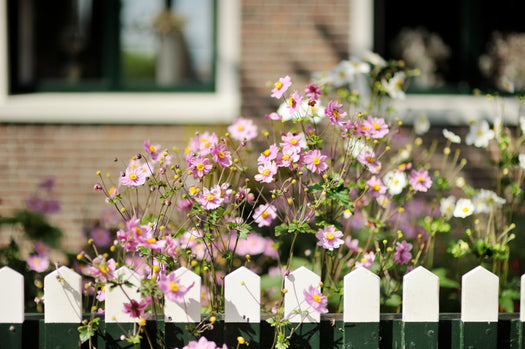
[
  {"x": 294, "y": 103},
  {"x": 402, "y": 254},
  {"x": 420, "y": 180},
  {"x": 243, "y": 129},
  {"x": 374, "y": 127},
  {"x": 294, "y": 142},
  {"x": 375, "y": 187},
  {"x": 136, "y": 309},
  {"x": 253, "y": 244},
  {"x": 264, "y": 215},
  {"x": 315, "y": 162},
  {"x": 203, "y": 143},
  {"x": 313, "y": 92},
  {"x": 329, "y": 238},
  {"x": 41, "y": 248},
  {"x": 135, "y": 175},
  {"x": 266, "y": 172},
  {"x": 366, "y": 261},
  {"x": 281, "y": 86},
  {"x": 101, "y": 269},
  {"x": 38, "y": 263},
  {"x": 369, "y": 160},
  {"x": 152, "y": 150},
  {"x": 203, "y": 343},
  {"x": 221, "y": 155},
  {"x": 288, "y": 158},
  {"x": 268, "y": 154},
  {"x": 172, "y": 288},
  {"x": 273, "y": 116},
  {"x": 199, "y": 165},
  {"x": 316, "y": 299},
  {"x": 335, "y": 113},
  {"x": 352, "y": 244},
  {"x": 210, "y": 198}
]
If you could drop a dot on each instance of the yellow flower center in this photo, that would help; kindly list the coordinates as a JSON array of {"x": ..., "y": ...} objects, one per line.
[
  {"x": 266, "y": 172},
  {"x": 205, "y": 142},
  {"x": 103, "y": 269},
  {"x": 278, "y": 85},
  {"x": 293, "y": 141},
  {"x": 240, "y": 127},
  {"x": 370, "y": 159},
  {"x": 152, "y": 240},
  {"x": 210, "y": 197},
  {"x": 316, "y": 298},
  {"x": 376, "y": 187},
  {"x": 317, "y": 161},
  {"x": 335, "y": 113},
  {"x": 330, "y": 236},
  {"x": 132, "y": 176},
  {"x": 291, "y": 101},
  {"x": 266, "y": 152},
  {"x": 138, "y": 231},
  {"x": 264, "y": 214},
  {"x": 465, "y": 209},
  {"x": 193, "y": 190},
  {"x": 174, "y": 286},
  {"x": 200, "y": 166},
  {"x": 376, "y": 125},
  {"x": 152, "y": 149},
  {"x": 221, "y": 154},
  {"x": 285, "y": 157},
  {"x": 420, "y": 179}
]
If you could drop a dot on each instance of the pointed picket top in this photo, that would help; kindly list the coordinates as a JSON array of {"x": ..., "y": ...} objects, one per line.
[
  {"x": 63, "y": 296},
  {"x": 420, "y": 296},
  {"x": 361, "y": 296},
  {"x": 11, "y": 296},
  {"x": 242, "y": 296},
  {"x": 295, "y": 305},
  {"x": 522, "y": 299},
  {"x": 479, "y": 296},
  {"x": 190, "y": 310},
  {"x": 116, "y": 297}
]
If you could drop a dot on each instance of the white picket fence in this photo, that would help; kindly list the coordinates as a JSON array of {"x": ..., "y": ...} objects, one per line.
[{"x": 242, "y": 289}]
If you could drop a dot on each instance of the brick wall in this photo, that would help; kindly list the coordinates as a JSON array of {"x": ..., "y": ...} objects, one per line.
[{"x": 278, "y": 38}]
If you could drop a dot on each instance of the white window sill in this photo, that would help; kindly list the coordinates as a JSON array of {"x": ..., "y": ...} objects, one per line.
[{"x": 135, "y": 108}]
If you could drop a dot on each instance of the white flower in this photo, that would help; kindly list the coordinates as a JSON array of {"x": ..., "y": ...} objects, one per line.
[
  {"x": 357, "y": 146},
  {"x": 521, "y": 159},
  {"x": 464, "y": 208},
  {"x": 507, "y": 85},
  {"x": 446, "y": 206},
  {"x": 395, "y": 181},
  {"x": 347, "y": 213},
  {"x": 421, "y": 125},
  {"x": 479, "y": 134},
  {"x": 315, "y": 113},
  {"x": 522, "y": 124},
  {"x": 394, "y": 86},
  {"x": 374, "y": 59},
  {"x": 343, "y": 73},
  {"x": 451, "y": 136},
  {"x": 460, "y": 182},
  {"x": 383, "y": 201},
  {"x": 498, "y": 126},
  {"x": 484, "y": 200}
]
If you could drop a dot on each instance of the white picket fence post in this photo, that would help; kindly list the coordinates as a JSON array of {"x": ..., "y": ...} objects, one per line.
[
  {"x": 420, "y": 296},
  {"x": 118, "y": 296},
  {"x": 296, "y": 309},
  {"x": 361, "y": 296},
  {"x": 479, "y": 296},
  {"x": 242, "y": 296},
  {"x": 11, "y": 296},
  {"x": 190, "y": 309},
  {"x": 63, "y": 296}
]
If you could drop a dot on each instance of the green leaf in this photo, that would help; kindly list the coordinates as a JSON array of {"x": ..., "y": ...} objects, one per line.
[
  {"x": 443, "y": 280},
  {"x": 393, "y": 301}
]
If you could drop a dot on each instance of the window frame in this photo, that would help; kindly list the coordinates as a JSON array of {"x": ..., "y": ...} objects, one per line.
[
  {"x": 221, "y": 106},
  {"x": 440, "y": 109}
]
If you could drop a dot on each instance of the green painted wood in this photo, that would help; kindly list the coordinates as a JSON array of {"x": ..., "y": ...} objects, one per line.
[
  {"x": 307, "y": 336},
  {"x": 361, "y": 335},
  {"x": 466, "y": 335},
  {"x": 11, "y": 336},
  {"x": 332, "y": 333},
  {"x": 60, "y": 335},
  {"x": 420, "y": 334},
  {"x": 515, "y": 334},
  {"x": 251, "y": 332},
  {"x": 111, "y": 332},
  {"x": 177, "y": 335}
]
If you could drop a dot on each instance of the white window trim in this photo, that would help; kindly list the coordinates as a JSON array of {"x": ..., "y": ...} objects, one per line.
[
  {"x": 221, "y": 106},
  {"x": 449, "y": 109}
]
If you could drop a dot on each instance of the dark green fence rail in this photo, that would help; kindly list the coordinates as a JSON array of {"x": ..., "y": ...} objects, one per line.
[{"x": 331, "y": 332}]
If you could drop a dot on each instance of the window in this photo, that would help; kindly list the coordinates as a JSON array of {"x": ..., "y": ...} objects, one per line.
[
  {"x": 183, "y": 53},
  {"x": 458, "y": 45}
]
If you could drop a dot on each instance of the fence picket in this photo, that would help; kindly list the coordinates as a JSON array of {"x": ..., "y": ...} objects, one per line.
[
  {"x": 11, "y": 308},
  {"x": 118, "y": 296},
  {"x": 361, "y": 309}
]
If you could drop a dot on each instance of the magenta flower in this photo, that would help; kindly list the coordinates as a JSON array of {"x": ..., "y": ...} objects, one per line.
[
  {"x": 38, "y": 263},
  {"x": 288, "y": 158},
  {"x": 264, "y": 215},
  {"x": 352, "y": 244},
  {"x": 136, "y": 309},
  {"x": 203, "y": 143},
  {"x": 376, "y": 187},
  {"x": 243, "y": 129},
  {"x": 316, "y": 299},
  {"x": 315, "y": 162},
  {"x": 101, "y": 269},
  {"x": 210, "y": 198},
  {"x": 329, "y": 238},
  {"x": 294, "y": 103},
  {"x": 335, "y": 113},
  {"x": 200, "y": 166},
  {"x": 135, "y": 175},
  {"x": 172, "y": 288},
  {"x": 41, "y": 248},
  {"x": 281, "y": 86},
  {"x": 221, "y": 155},
  {"x": 313, "y": 92},
  {"x": 266, "y": 172},
  {"x": 153, "y": 150},
  {"x": 402, "y": 254},
  {"x": 420, "y": 180},
  {"x": 369, "y": 160},
  {"x": 253, "y": 244},
  {"x": 100, "y": 236},
  {"x": 366, "y": 261},
  {"x": 374, "y": 127}
]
